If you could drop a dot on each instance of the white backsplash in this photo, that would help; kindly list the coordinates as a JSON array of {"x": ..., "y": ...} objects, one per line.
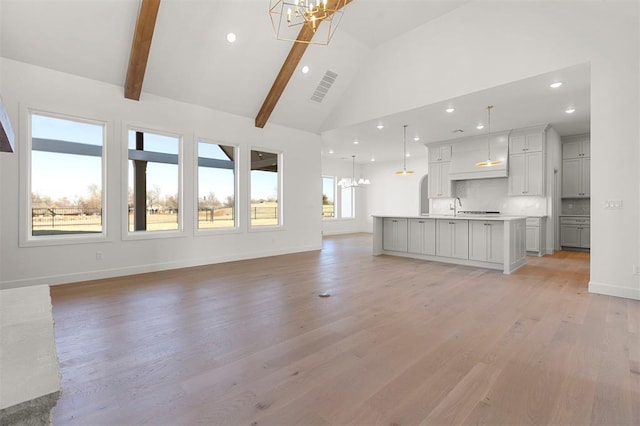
[
  {"x": 576, "y": 206},
  {"x": 490, "y": 195}
]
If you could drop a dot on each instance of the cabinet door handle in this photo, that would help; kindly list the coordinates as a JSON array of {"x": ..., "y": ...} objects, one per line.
[{"x": 421, "y": 221}]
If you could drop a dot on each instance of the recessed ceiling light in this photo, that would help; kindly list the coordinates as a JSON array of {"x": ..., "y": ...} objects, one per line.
[
  {"x": 417, "y": 138},
  {"x": 373, "y": 159},
  {"x": 231, "y": 37},
  {"x": 450, "y": 109},
  {"x": 305, "y": 69},
  {"x": 330, "y": 151},
  {"x": 355, "y": 142},
  {"x": 480, "y": 127},
  {"x": 408, "y": 154},
  {"x": 556, "y": 84},
  {"x": 380, "y": 126},
  {"x": 570, "y": 110}
]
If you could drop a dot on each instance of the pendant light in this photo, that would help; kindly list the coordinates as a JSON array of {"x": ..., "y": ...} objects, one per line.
[
  {"x": 489, "y": 162},
  {"x": 353, "y": 183},
  {"x": 404, "y": 171}
]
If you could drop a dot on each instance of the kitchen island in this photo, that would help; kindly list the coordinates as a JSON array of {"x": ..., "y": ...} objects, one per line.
[{"x": 494, "y": 242}]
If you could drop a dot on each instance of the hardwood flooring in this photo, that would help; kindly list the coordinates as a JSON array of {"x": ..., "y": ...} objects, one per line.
[{"x": 399, "y": 342}]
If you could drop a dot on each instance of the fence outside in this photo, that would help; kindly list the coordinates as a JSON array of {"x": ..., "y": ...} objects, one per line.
[
  {"x": 328, "y": 210},
  {"x": 65, "y": 219},
  {"x": 58, "y": 220}
]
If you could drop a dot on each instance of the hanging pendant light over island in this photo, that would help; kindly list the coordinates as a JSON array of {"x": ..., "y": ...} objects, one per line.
[
  {"x": 489, "y": 162},
  {"x": 404, "y": 171}
]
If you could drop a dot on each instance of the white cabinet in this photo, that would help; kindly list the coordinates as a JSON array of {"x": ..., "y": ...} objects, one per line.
[
  {"x": 526, "y": 142},
  {"x": 486, "y": 241},
  {"x": 394, "y": 234},
  {"x": 576, "y": 178},
  {"x": 452, "y": 238},
  {"x": 535, "y": 235},
  {"x": 422, "y": 236},
  {"x": 576, "y": 167},
  {"x": 526, "y": 174},
  {"x": 576, "y": 147},
  {"x": 439, "y": 182},
  {"x": 440, "y": 153},
  {"x": 527, "y": 162},
  {"x": 575, "y": 231}
]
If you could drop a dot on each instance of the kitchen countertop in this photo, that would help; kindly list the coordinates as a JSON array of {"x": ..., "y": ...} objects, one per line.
[
  {"x": 575, "y": 215},
  {"x": 449, "y": 217}
]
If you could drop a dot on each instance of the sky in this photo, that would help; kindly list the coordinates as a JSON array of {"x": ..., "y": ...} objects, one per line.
[{"x": 66, "y": 175}]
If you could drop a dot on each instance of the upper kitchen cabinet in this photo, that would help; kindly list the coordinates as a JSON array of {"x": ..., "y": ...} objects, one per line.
[
  {"x": 530, "y": 141},
  {"x": 439, "y": 181},
  {"x": 576, "y": 167},
  {"x": 576, "y": 147},
  {"x": 527, "y": 161},
  {"x": 440, "y": 153}
]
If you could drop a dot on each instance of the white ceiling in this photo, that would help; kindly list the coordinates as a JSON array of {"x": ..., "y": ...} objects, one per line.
[
  {"x": 523, "y": 103},
  {"x": 191, "y": 61}
]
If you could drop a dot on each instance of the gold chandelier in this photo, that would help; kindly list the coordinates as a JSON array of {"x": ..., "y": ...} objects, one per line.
[{"x": 288, "y": 17}]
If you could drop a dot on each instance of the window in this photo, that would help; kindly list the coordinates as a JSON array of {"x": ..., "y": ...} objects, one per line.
[
  {"x": 265, "y": 188},
  {"x": 216, "y": 186},
  {"x": 153, "y": 195},
  {"x": 66, "y": 176},
  {"x": 346, "y": 203},
  {"x": 328, "y": 197}
]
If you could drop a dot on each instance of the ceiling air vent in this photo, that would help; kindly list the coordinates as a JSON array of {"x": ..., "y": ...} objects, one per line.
[{"x": 325, "y": 84}]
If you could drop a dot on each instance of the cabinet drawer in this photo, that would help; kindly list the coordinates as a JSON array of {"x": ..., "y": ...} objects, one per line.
[{"x": 575, "y": 220}]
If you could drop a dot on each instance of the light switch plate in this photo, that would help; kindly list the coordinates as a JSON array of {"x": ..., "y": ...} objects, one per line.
[{"x": 613, "y": 204}]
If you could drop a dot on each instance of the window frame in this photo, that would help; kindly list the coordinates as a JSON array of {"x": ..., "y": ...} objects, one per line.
[
  {"x": 280, "y": 192},
  {"x": 196, "y": 192},
  {"x": 26, "y": 237},
  {"x": 335, "y": 198},
  {"x": 149, "y": 235}
]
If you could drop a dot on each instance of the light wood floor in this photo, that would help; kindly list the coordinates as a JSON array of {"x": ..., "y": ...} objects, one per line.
[{"x": 399, "y": 342}]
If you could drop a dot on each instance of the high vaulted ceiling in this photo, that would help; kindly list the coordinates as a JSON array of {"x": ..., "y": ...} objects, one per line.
[{"x": 191, "y": 61}]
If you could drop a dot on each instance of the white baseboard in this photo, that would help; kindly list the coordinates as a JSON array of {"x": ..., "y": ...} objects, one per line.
[
  {"x": 142, "y": 269},
  {"x": 614, "y": 290}
]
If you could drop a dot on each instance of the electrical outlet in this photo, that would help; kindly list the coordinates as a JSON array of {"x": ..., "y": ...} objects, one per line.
[{"x": 98, "y": 255}]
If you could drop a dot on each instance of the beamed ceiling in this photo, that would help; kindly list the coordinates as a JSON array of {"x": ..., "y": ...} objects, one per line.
[{"x": 178, "y": 49}]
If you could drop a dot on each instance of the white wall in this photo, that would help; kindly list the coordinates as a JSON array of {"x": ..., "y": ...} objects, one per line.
[
  {"x": 343, "y": 168},
  {"x": 486, "y": 44},
  {"x": 392, "y": 194},
  {"x": 25, "y": 86}
]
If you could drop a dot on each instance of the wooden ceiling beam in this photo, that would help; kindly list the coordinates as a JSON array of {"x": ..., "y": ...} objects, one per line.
[
  {"x": 289, "y": 66},
  {"x": 140, "y": 48}
]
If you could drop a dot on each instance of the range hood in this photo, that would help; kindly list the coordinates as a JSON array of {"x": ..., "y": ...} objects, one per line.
[{"x": 466, "y": 152}]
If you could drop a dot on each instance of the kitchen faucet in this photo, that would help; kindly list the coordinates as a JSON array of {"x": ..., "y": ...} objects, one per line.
[{"x": 454, "y": 207}]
